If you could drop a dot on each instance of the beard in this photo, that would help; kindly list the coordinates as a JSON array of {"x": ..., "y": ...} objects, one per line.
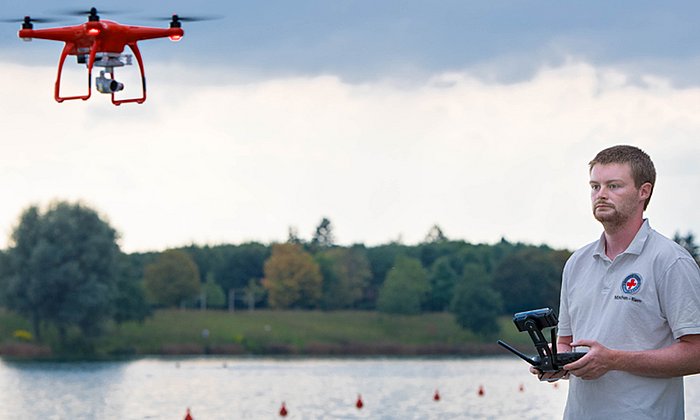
[{"x": 611, "y": 217}]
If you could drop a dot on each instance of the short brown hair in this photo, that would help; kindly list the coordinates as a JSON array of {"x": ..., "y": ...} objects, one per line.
[{"x": 642, "y": 167}]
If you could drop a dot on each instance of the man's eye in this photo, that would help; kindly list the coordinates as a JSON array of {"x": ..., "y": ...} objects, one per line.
[{"x": 613, "y": 186}]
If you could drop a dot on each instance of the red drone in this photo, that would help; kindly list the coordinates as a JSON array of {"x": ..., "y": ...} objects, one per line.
[{"x": 101, "y": 43}]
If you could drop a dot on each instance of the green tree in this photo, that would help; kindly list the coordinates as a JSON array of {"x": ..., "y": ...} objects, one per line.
[
  {"x": 346, "y": 274},
  {"x": 435, "y": 235},
  {"x": 130, "y": 303},
  {"x": 292, "y": 278},
  {"x": 214, "y": 294},
  {"x": 478, "y": 254},
  {"x": 476, "y": 305},
  {"x": 323, "y": 236},
  {"x": 688, "y": 242},
  {"x": 530, "y": 278},
  {"x": 62, "y": 268},
  {"x": 442, "y": 281},
  {"x": 5, "y": 273},
  {"x": 500, "y": 250},
  {"x": 381, "y": 260},
  {"x": 239, "y": 264},
  {"x": 172, "y": 278},
  {"x": 204, "y": 257},
  {"x": 293, "y": 236},
  {"x": 405, "y": 288},
  {"x": 254, "y": 293},
  {"x": 429, "y": 252}
]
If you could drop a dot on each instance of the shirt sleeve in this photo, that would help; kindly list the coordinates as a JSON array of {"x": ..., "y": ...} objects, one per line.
[
  {"x": 564, "y": 327},
  {"x": 679, "y": 296}
]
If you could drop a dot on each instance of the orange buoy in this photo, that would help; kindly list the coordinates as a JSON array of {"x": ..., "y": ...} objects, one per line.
[
  {"x": 188, "y": 416},
  {"x": 481, "y": 390},
  {"x": 359, "y": 404},
  {"x": 283, "y": 410},
  {"x": 436, "y": 396}
]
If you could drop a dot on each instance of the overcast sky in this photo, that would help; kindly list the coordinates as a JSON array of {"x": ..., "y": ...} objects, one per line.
[{"x": 387, "y": 117}]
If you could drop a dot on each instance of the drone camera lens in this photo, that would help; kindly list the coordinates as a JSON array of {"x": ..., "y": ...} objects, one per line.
[{"x": 115, "y": 86}]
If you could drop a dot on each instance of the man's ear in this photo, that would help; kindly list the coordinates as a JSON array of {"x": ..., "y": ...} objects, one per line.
[{"x": 645, "y": 190}]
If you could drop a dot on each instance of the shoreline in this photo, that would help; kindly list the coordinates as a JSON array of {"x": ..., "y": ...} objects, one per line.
[
  {"x": 264, "y": 333},
  {"x": 34, "y": 352}
]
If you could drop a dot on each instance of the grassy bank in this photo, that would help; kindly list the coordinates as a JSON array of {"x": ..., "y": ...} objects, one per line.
[{"x": 285, "y": 332}]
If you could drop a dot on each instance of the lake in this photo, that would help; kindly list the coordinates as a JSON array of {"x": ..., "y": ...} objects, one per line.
[{"x": 254, "y": 388}]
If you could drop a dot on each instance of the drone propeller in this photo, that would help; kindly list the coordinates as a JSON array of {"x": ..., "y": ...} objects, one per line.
[
  {"x": 175, "y": 20},
  {"x": 90, "y": 13},
  {"x": 27, "y": 21},
  {"x": 194, "y": 18}
]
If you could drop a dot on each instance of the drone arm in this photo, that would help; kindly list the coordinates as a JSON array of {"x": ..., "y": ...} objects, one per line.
[
  {"x": 57, "y": 92},
  {"x": 134, "y": 47},
  {"x": 140, "y": 33},
  {"x": 65, "y": 34}
]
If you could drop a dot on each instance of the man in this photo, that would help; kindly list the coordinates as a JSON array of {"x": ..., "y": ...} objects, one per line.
[{"x": 633, "y": 299}]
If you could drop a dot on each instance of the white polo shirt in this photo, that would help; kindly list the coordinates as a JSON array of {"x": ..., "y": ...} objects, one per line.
[{"x": 645, "y": 299}]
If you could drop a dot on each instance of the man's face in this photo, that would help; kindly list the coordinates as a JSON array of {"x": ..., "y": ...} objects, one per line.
[{"x": 614, "y": 197}]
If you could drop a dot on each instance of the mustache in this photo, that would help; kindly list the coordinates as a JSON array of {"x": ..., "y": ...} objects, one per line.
[{"x": 603, "y": 203}]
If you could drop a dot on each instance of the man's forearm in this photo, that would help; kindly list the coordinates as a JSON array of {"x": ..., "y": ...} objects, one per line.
[
  {"x": 564, "y": 344},
  {"x": 679, "y": 359}
]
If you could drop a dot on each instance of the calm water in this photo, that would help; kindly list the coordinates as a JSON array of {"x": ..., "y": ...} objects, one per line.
[{"x": 254, "y": 388}]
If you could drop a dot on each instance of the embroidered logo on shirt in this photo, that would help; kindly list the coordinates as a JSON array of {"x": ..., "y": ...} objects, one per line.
[{"x": 631, "y": 284}]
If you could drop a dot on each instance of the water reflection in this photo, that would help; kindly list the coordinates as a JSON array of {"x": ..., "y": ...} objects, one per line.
[
  {"x": 254, "y": 388},
  {"x": 58, "y": 390}
]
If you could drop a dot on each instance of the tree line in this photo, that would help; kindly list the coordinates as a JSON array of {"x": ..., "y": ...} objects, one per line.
[{"x": 63, "y": 268}]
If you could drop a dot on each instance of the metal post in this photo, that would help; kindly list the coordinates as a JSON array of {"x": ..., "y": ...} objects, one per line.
[{"x": 231, "y": 300}]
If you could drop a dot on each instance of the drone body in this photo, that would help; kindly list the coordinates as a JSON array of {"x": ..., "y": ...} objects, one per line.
[{"x": 101, "y": 43}]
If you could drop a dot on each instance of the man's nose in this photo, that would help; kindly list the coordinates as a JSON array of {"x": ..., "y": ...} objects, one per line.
[{"x": 600, "y": 193}]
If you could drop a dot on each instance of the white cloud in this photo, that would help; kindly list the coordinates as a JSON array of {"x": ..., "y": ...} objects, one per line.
[{"x": 228, "y": 162}]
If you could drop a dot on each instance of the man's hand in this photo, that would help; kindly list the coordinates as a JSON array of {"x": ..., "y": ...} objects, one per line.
[
  {"x": 563, "y": 345},
  {"x": 549, "y": 376},
  {"x": 593, "y": 365}
]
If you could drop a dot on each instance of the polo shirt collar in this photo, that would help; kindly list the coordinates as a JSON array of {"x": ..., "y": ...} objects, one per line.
[
  {"x": 639, "y": 240},
  {"x": 635, "y": 247}
]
